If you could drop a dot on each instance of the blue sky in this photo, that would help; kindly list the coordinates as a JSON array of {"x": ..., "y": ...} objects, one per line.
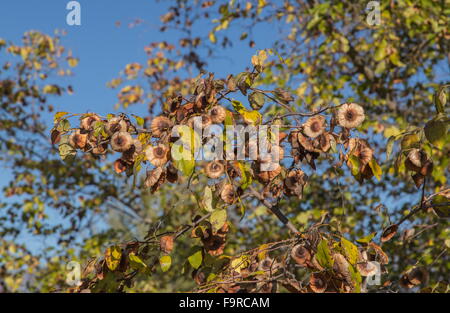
[{"x": 104, "y": 48}]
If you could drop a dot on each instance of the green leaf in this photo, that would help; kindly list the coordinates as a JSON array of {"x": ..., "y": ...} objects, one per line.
[
  {"x": 228, "y": 118},
  {"x": 240, "y": 263},
  {"x": 436, "y": 131},
  {"x": 207, "y": 199},
  {"x": 381, "y": 66},
  {"x": 366, "y": 239},
  {"x": 381, "y": 51},
  {"x": 66, "y": 151},
  {"x": 252, "y": 117},
  {"x": 257, "y": 100},
  {"x": 51, "y": 89},
  {"x": 165, "y": 261},
  {"x": 58, "y": 115},
  {"x": 217, "y": 219},
  {"x": 323, "y": 254},
  {"x": 354, "y": 161},
  {"x": 395, "y": 59},
  {"x": 137, "y": 263},
  {"x": 238, "y": 106},
  {"x": 243, "y": 82},
  {"x": 183, "y": 150},
  {"x": 356, "y": 278},
  {"x": 112, "y": 257},
  {"x": 186, "y": 164},
  {"x": 389, "y": 146},
  {"x": 139, "y": 120},
  {"x": 350, "y": 250},
  {"x": 63, "y": 126},
  {"x": 440, "y": 208},
  {"x": 99, "y": 128},
  {"x": 196, "y": 259},
  {"x": 376, "y": 169},
  {"x": 440, "y": 100},
  {"x": 246, "y": 175}
]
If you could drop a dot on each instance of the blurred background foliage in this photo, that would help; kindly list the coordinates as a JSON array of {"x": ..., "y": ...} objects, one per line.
[{"x": 325, "y": 54}]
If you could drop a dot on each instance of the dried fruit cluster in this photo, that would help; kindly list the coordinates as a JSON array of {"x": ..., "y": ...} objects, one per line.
[{"x": 154, "y": 145}]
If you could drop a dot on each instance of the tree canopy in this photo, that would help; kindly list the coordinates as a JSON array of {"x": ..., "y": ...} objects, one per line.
[{"x": 356, "y": 115}]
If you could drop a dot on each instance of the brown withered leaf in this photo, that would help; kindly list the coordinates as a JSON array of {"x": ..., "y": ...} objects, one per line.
[
  {"x": 166, "y": 243},
  {"x": 418, "y": 179},
  {"x": 55, "y": 136},
  {"x": 120, "y": 166},
  {"x": 380, "y": 255},
  {"x": 389, "y": 232}
]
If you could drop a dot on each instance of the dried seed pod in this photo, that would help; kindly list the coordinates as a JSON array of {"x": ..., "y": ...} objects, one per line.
[
  {"x": 418, "y": 179},
  {"x": 408, "y": 233},
  {"x": 153, "y": 177},
  {"x": 166, "y": 243},
  {"x": 116, "y": 124},
  {"x": 214, "y": 169},
  {"x": 78, "y": 140},
  {"x": 267, "y": 265},
  {"x": 203, "y": 122},
  {"x": 266, "y": 176},
  {"x": 95, "y": 145},
  {"x": 99, "y": 149},
  {"x": 314, "y": 126},
  {"x": 427, "y": 168},
  {"x": 380, "y": 255},
  {"x": 365, "y": 155},
  {"x": 199, "y": 277},
  {"x": 121, "y": 141},
  {"x": 361, "y": 149},
  {"x": 305, "y": 142},
  {"x": 317, "y": 283},
  {"x": 218, "y": 114},
  {"x": 87, "y": 123},
  {"x": 172, "y": 173},
  {"x": 341, "y": 267},
  {"x": 131, "y": 154},
  {"x": 415, "y": 160},
  {"x": 277, "y": 153},
  {"x": 324, "y": 142},
  {"x": 120, "y": 166},
  {"x": 301, "y": 255},
  {"x": 405, "y": 283},
  {"x": 160, "y": 125},
  {"x": 295, "y": 182},
  {"x": 389, "y": 232},
  {"x": 158, "y": 155},
  {"x": 367, "y": 268},
  {"x": 417, "y": 275},
  {"x": 350, "y": 115},
  {"x": 416, "y": 156},
  {"x": 227, "y": 194}
]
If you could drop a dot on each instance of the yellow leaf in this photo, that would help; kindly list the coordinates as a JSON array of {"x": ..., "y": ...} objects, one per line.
[
  {"x": 212, "y": 37},
  {"x": 112, "y": 257},
  {"x": 72, "y": 61},
  {"x": 376, "y": 169},
  {"x": 165, "y": 261}
]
